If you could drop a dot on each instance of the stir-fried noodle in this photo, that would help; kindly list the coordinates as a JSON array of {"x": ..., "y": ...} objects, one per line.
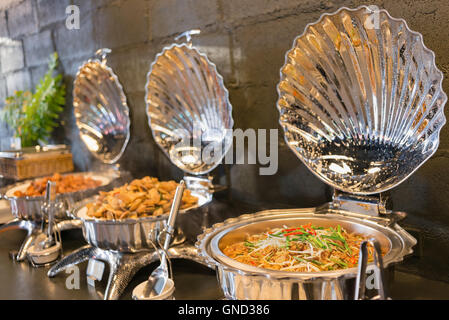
[{"x": 307, "y": 248}]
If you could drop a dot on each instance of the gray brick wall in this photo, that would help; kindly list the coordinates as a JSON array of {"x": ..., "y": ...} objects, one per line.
[
  {"x": 37, "y": 48},
  {"x": 11, "y": 55},
  {"x": 247, "y": 39},
  {"x": 50, "y": 11},
  {"x": 22, "y": 19},
  {"x": 3, "y": 25}
]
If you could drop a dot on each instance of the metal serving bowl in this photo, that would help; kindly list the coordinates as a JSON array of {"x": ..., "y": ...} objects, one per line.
[
  {"x": 127, "y": 235},
  {"x": 242, "y": 281},
  {"x": 30, "y": 208}
]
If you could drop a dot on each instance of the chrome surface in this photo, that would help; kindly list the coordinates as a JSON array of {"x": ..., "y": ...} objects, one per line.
[
  {"x": 29, "y": 212},
  {"x": 360, "y": 284},
  {"x": 34, "y": 232},
  {"x": 126, "y": 245},
  {"x": 101, "y": 110},
  {"x": 203, "y": 184},
  {"x": 127, "y": 235},
  {"x": 123, "y": 266},
  {"x": 361, "y": 100},
  {"x": 373, "y": 205},
  {"x": 241, "y": 281},
  {"x": 39, "y": 256},
  {"x": 188, "y": 109},
  {"x": 49, "y": 207},
  {"x": 48, "y": 246},
  {"x": 138, "y": 292},
  {"x": 30, "y": 208},
  {"x": 157, "y": 280}
]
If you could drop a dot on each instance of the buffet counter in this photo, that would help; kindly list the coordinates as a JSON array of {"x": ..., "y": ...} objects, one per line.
[{"x": 193, "y": 281}]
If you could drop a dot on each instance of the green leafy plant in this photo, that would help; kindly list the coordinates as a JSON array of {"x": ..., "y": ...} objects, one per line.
[{"x": 34, "y": 116}]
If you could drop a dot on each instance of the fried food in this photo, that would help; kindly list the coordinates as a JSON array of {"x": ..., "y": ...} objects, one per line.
[
  {"x": 140, "y": 198},
  {"x": 307, "y": 248},
  {"x": 64, "y": 184}
]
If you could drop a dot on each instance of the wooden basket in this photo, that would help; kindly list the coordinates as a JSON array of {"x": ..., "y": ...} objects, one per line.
[{"x": 36, "y": 165}]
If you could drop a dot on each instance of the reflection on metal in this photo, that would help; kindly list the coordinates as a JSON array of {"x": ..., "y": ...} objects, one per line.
[
  {"x": 361, "y": 105},
  {"x": 188, "y": 35},
  {"x": 188, "y": 108},
  {"x": 101, "y": 110},
  {"x": 360, "y": 286},
  {"x": 127, "y": 235},
  {"x": 122, "y": 266},
  {"x": 30, "y": 212},
  {"x": 30, "y": 208},
  {"x": 126, "y": 244},
  {"x": 34, "y": 232}
]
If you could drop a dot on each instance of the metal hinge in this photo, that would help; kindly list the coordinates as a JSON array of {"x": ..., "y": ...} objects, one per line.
[{"x": 373, "y": 205}]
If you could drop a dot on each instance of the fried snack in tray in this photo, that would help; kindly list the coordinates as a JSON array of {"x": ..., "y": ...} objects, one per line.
[
  {"x": 140, "y": 198},
  {"x": 64, "y": 184}
]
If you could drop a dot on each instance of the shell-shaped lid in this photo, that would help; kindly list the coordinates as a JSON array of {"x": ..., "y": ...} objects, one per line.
[
  {"x": 361, "y": 100},
  {"x": 101, "y": 111},
  {"x": 188, "y": 108}
]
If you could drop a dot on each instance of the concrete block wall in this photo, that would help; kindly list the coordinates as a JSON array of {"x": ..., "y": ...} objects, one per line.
[{"x": 247, "y": 40}]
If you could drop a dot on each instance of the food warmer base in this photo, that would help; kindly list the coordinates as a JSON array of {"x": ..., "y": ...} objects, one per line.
[
  {"x": 122, "y": 266},
  {"x": 193, "y": 281},
  {"x": 33, "y": 230}
]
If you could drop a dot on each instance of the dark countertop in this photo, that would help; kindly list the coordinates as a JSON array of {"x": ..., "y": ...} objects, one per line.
[{"x": 192, "y": 281}]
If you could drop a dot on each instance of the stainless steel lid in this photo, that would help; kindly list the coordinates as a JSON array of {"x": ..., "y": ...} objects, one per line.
[
  {"x": 101, "y": 111},
  {"x": 188, "y": 108},
  {"x": 361, "y": 100}
]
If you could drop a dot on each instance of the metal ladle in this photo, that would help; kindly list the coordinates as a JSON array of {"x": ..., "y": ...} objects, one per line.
[
  {"x": 158, "y": 278},
  {"x": 50, "y": 196},
  {"x": 360, "y": 286},
  {"x": 48, "y": 246}
]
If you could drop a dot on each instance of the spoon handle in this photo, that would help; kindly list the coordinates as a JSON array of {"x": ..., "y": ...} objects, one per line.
[
  {"x": 50, "y": 195},
  {"x": 174, "y": 213}
]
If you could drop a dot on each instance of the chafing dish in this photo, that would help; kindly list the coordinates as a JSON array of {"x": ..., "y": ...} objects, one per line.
[
  {"x": 29, "y": 214},
  {"x": 361, "y": 104},
  {"x": 241, "y": 281},
  {"x": 30, "y": 208},
  {"x": 102, "y": 117},
  {"x": 126, "y": 245},
  {"x": 127, "y": 235}
]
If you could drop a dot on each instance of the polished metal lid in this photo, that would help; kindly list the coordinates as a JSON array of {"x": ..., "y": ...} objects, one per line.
[
  {"x": 101, "y": 111},
  {"x": 361, "y": 100},
  {"x": 188, "y": 108}
]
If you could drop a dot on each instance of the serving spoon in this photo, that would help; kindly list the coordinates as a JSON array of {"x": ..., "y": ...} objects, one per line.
[
  {"x": 158, "y": 278},
  {"x": 50, "y": 196}
]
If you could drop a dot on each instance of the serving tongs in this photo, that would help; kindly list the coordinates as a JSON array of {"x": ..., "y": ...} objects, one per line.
[
  {"x": 360, "y": 286},
  {"x": 47, "y": 246},
  {"x": 158, "y": 279}
]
